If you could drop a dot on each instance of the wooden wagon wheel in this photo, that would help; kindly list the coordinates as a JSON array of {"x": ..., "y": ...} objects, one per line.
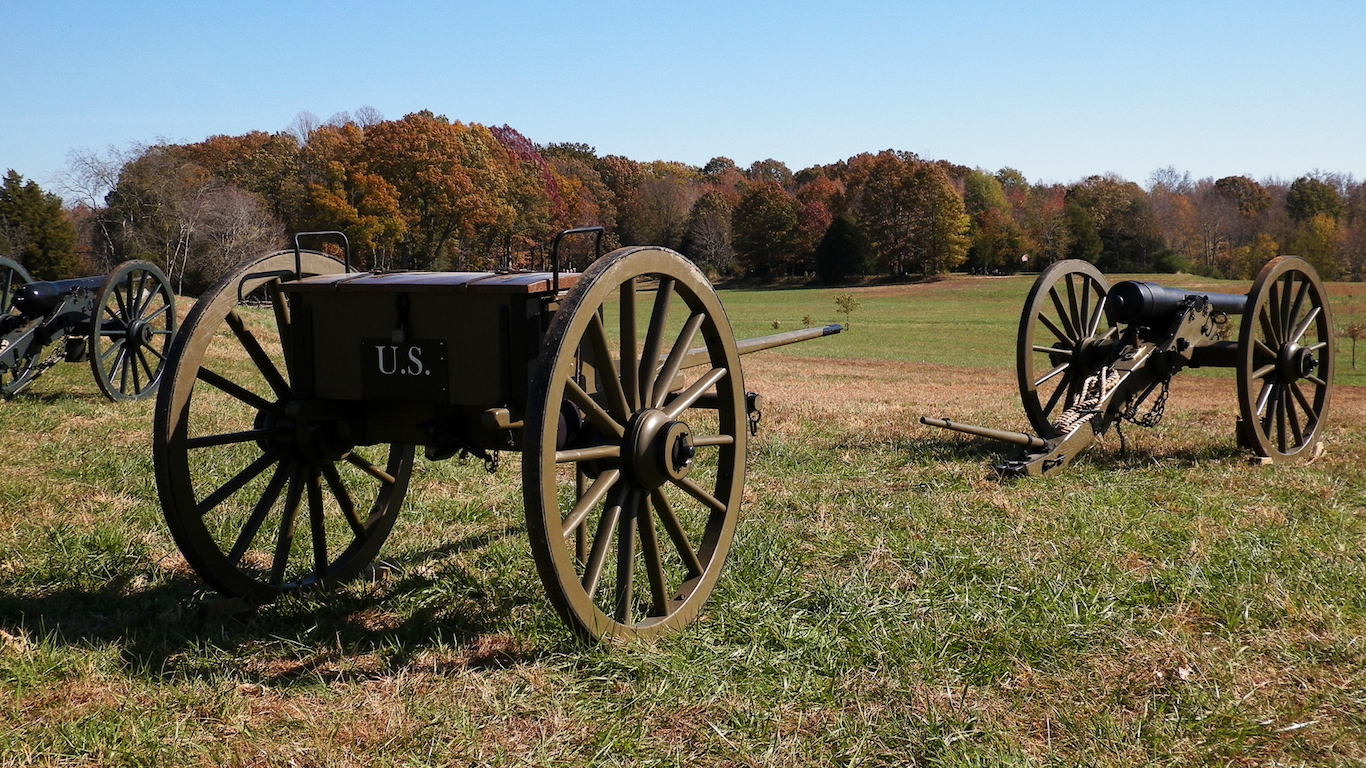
[
  {"x": 634, "y": 459},
  {"x": 12, "y": 275},
  {"x": 1285, "y": 360},
  {"x": 1063, "y": 320},
  {"x": 259, "y": 501},
  {"x": 134, "y": 321}
]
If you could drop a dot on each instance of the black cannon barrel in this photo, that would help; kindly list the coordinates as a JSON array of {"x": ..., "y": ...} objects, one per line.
[
  {"x": 1132, "y": 301},
  {"x": 39, "y": 298}
]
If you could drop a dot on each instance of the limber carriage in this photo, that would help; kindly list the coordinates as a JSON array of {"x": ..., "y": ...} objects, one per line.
[
  {"x": 298, "y": 389},
  {"x": 1089, "y": 355},
  {"x": 121, "y": 323}
]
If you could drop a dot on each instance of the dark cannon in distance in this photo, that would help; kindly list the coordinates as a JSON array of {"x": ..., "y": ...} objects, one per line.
[
  {"x": 121, "y": 323},
  {"x": 1090, "y": 354},
  {"x": 298, "y": 389}
]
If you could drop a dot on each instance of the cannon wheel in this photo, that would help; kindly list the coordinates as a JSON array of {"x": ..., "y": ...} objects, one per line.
[
  {"x": 133, "y": 325},
  {"x": 12, "y": 275},
  {"x": 641, "y": 468},
  {"x": 1063, "y": 316},
  {"x": 260, "y": 502},
  {"x": 1285, "y": 360}
]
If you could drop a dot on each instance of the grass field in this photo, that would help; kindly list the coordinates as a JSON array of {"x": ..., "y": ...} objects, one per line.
[{"x": 889, "y": 600}]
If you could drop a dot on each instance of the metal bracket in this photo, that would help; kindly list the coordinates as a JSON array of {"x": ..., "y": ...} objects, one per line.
[
  {"x": 298, "y": 255},
  {"x": 555, "y": 251}
]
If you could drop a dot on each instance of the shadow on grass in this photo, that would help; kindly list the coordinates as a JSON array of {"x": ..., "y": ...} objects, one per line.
[
  {"x": 1103, "y": 457},
  {"x": 170, "y": 628}
]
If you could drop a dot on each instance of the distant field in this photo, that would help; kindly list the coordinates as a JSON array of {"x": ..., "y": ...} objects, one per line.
[
  {"x": 966, "y": 321},
  {"x": 890, "y": 600}
]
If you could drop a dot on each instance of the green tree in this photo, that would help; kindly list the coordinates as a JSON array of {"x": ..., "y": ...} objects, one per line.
[
  {"x": 913, "y": 215},
  {"x": 995, "y": 238},
  {"x": 37, "y": 233},
  {"x": 1309, "y": 197},
  {"x": 846, "y": 303},
  {"x": 843, "y": 252},
  {"x": 1316, "y": 241},
  {"x": 764, "y": 229}
]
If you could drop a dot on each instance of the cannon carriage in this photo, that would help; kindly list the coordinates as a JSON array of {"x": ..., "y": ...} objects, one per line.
[
  {"x": 286, "y": 431},
  {"x": 121, "y": 323},
  {"x": 1090, "y": 356}
]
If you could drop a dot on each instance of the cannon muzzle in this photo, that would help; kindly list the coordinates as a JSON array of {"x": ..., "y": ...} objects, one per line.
[{"x": 1132, "y": 301}]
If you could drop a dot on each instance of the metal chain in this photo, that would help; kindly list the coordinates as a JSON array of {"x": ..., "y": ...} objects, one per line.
[{"x": 1154, "y": 415}]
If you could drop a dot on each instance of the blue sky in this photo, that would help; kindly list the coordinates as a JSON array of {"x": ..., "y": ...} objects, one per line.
[{"x": 1058, "y": 90}]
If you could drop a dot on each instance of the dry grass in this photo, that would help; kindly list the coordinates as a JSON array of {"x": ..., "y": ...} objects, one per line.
[{"x": 889, "y": 601}]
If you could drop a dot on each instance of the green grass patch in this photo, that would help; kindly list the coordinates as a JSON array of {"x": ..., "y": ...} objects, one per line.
[{"x": 889, "y": 600}]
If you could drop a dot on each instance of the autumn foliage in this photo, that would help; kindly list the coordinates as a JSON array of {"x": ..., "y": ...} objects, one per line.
[{"x": 426, "y": 192}]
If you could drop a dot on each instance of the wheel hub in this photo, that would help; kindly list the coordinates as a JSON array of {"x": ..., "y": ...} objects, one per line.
[
  {"x": 312, "y": 441},
  {"x": 657, "y": 449},
  {"x": 139, "y": 334},
  {"x": 1295, "y": 362}
]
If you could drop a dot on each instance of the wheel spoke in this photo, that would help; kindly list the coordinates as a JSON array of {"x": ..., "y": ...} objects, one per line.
[
  {"x": 113, "y": 347},
  {"x": 710, "y": 440},
  {"x": 316, "y": 524},
  {"x": 654, "y": 338},
  {"x": 1299, "y": 331},
  {"x": 230, "y": 438},
  {"x": 259, "y": 512},
  {"x": 669, "y": 371},
  {"x": 626, "y": 556},
  {"x": 239, "y": 392},
  {"x": 343, "y": 497},
  {"x": 607, "y": 375},
  {"x": 285, "y": 540},
  {"x": 596, "y": 413},
  {"x": 1085, "y": 316},
  {"x": 240, "y": 479},
  {"x": 1053, "y": 399},
  {"x": 593, "y": 453},
  {"x": 1055, "y": 331},
  {"x": 1259, "y": 346},
  {"x": 1062, "y": 313},
  {"x": 1280, "y": 418},
  {"x": 1262, "y": 372},
  {"x": 1309, "y": 411},
  {"x": 1285, "y": 319},
  {"x": 1269, "y": 328},
  {"x": 698, "y": 492},
  {"x": 359, "y": 461},
  {"x": 160, "y": 311},
  {"x": 630, "y": 364},
  {"x": 588, "y": 500},
  {"x": 1263, "y": 397},
  {"x": 1272, "y": 325},
  {"x": 689, "y": 396},
  {"x": 1074, "y": 314},
  {"x": 151, "y": 375},
  {"x": 1293, "y": 419},
  {"x": 258, "y": 355},
  {"x": 677, "y": 535},
  {"x": 1053, "y": 373},
  {"x": 654, "y": 564},
  {"x": 1052, "y": 351},
  {"x": 607, "y": 526}
]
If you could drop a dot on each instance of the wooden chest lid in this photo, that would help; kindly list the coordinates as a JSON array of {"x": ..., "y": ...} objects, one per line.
[{"x": 430, "y": 282}]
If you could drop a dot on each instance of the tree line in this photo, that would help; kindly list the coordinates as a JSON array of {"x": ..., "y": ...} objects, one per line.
[{"x": 426, "y": 192}]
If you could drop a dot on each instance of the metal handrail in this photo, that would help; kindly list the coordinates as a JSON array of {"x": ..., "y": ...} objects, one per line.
[
  {"x": 298, "y": 255},
  {"x": 555, "y": 251}
]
